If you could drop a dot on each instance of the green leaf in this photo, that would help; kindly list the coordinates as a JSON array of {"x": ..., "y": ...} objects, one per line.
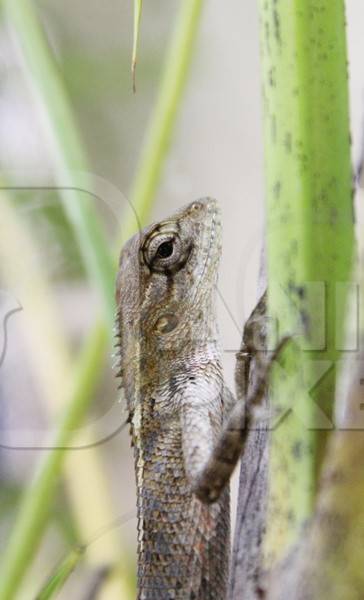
[{"x": 137, "y": 16}]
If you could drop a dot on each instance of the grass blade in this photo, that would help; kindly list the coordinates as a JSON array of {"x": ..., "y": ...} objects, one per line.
[
  {"x": 61, "y": 574},
  {"x": 137, "y": 16},
  {"x": 68, "y": 152}
]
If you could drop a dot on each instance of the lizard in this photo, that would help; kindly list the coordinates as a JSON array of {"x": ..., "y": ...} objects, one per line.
[{"x": 187, "y": 430}]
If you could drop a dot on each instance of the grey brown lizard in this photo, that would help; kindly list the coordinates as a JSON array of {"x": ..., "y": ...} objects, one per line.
[{"x": 187, "y": 430}]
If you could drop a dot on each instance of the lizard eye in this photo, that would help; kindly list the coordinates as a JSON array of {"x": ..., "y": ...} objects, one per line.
[{"x": 164, "y": 252}]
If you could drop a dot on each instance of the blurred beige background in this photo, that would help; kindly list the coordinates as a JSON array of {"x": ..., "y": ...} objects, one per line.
[{"x": 216, "y": 151}]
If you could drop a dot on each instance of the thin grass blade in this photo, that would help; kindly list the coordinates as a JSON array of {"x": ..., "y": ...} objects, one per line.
[
  {"x": 57, "y": 580},
  {"x": 137, "y": 17}
]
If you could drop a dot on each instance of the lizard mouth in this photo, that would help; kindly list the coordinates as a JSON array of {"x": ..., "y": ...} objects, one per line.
[{"x": 211, "y": 246}]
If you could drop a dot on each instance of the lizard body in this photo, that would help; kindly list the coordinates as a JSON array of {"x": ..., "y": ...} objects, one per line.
[
  {"x": 172, "y": 379},
  {"x": 186, "y": 432}
]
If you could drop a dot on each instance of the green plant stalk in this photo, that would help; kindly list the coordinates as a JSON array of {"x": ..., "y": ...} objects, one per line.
[
  {"x": 68, "y": 152},
  {"x": 324, "y": 566},
  {"x": 33, "y": 512},
  {"x": 309, "y": 240}
]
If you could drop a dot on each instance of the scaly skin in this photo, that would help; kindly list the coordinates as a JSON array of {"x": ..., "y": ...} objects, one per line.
[
  {"x": 187, "y": 431},
  {"x": 172, "y": 380}
]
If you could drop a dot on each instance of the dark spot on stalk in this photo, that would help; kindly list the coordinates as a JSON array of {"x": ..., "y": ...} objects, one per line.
[
  {"x": 298, "y": 290},
  {"x": 297, "y": 449},
  {"x": 277, "y": 27},
  {"x": 353, "y": 212},
  {"x": 277, "y": 189},
  {"x": 274, "y": 128},
  {"x": 305, "y": 320},
  {"x": 271, "y": 77},
  {"x": 267, "y": 35},
  {"x": 288, "y": 142}
]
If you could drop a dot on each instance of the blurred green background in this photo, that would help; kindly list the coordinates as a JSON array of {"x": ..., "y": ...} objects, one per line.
[{"x": 66, "y": 107}]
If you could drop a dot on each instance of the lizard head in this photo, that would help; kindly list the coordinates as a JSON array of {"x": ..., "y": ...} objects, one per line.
[{"x": 165, "y": 290}]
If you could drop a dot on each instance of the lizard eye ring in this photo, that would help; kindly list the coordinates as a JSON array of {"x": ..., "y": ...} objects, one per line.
[{"x": 163, "y": 252}]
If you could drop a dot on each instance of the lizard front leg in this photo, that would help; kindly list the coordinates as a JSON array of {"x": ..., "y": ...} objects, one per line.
[{"x": 210, "y": 462}]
